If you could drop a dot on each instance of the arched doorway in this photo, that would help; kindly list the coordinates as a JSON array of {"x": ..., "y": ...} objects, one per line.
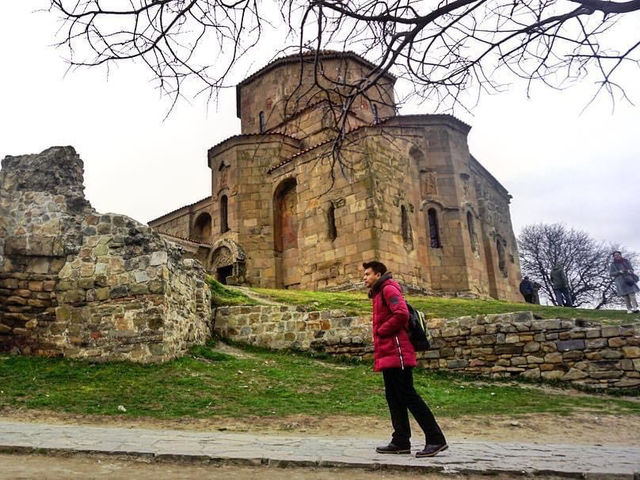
[
  {"x": 222, "y": 262},
  {"x": 285, "y": 234}
]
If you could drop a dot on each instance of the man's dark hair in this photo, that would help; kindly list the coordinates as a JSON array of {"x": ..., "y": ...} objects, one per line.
[{"x": 376, "y": 266}]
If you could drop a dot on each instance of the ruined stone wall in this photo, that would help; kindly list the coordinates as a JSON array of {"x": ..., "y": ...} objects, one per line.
[
  {"x": 501, "y": 345},
  {"x": 575, "y": 351},
  {"x": 277, "y": 328},
  {"x": 77, "y": 283}
]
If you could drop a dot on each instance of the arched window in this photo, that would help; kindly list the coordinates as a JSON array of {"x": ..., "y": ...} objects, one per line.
[
  {"x": 472, "y": 232},
  {"x": 261, "y": 121},
  {"x": 224, "y": 214},
  {"x": 434, "y": 228},
  {"x": 406, "y": 228},
  {"x": 332, "y": 231},
  {"x": 202, "y": 227}
]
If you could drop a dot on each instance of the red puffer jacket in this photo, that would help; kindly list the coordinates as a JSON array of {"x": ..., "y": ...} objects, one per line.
[{"x": 391, "y": 345}]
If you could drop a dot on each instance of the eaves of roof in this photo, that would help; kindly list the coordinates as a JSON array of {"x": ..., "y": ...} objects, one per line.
[
  {"x": 188, "y": 240},
  {"x": 261, "y": 137},
  {"x": 403, "y": 120}
]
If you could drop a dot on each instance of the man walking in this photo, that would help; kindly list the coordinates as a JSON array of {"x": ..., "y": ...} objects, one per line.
[{"x": 395, "y": 357}]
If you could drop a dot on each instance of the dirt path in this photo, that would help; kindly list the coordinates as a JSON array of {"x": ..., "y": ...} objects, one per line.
[{"x": 28, "y": 467}]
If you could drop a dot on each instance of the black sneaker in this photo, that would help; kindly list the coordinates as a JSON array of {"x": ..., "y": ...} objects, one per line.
[
  {"x": 431, "y": 450},
  {"x": 393, "y": 448}
]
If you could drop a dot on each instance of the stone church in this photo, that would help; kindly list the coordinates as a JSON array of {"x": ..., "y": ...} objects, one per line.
[{"x": 282, "y": 214}]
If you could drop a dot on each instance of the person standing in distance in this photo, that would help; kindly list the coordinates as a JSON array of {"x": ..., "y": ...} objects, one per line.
[
  {"x": 395, "y": 357},
  {"x": 625, "y": 281}
]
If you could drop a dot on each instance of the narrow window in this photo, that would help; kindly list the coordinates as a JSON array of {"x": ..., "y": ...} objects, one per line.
[
  {"x": 374, "y": 108},
  {"x": 331, "y": 222},
  {"x": 502, "y": 264},
  {"x": 434, "y": 231},
  {"x": 224, "y": 214},
  {"x": 406, "y": 229},
  {"x": 472, "y": 231},
  {"x": 261, "y": 121}
]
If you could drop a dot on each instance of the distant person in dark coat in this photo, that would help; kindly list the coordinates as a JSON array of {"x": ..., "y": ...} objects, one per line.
[
  {"x": 536, "y": 293},
  {"x": 394, "y": 356},
  {"x": 560, "y": 285},
  {"x": 526, "y": 289},
  {"x": 625, "y": 281}
]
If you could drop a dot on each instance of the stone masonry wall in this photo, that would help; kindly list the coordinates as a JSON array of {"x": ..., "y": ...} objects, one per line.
[
  {"x": 77, "y": 283},
  {"x": 284, "y": 327},
  {"x": 583, "y": 353},
  {"x": 501, "y": 345}
]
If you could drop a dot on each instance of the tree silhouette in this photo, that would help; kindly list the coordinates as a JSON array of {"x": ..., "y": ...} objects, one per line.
[{"x": 584, "y": 260}]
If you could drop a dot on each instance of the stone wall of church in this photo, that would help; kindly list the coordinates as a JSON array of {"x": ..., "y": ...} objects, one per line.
[
  {"x": 81, "y": 284},
  {"x": 250, "y": 191},
  {"x": 286, "y": 89},
  {"x": 334, "y": 232},
  {"x": 410, "y": 194},
  {"x": 498, "y": 240}
]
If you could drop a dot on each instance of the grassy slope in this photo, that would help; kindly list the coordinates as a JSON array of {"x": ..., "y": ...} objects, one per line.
[
  {"x": 358, "y": 303},
  {"x": 208, "y": 383}
]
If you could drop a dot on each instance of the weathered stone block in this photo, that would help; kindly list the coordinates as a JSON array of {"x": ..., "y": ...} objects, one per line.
[
  {"x": 508, "y": 349},
  {"x": 596, "y": 343},
  {"x": 566, "y": 345},
  {"x": 553, "y": 375},
  {"x": 531, "y": 373},
  {"x": 611, "y": 331},
  {"x": 553, "y": 358},
  {"x": 631, "y": 352}
]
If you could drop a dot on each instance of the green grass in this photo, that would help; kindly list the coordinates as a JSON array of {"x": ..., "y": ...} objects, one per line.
[
  {"x": 221, "y": 295},
  {"x": 435, "y": 307},
  {"x": 210, "y": 383}
]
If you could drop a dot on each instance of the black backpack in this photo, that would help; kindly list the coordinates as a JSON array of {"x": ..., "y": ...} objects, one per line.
[{"x": 419, "y": 334}]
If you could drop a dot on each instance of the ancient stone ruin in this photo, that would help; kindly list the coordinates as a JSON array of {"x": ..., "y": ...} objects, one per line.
[{"x": 77, "y": 283}]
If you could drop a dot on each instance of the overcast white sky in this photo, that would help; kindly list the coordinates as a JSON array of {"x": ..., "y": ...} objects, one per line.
[{"x": 560, "y": 165}]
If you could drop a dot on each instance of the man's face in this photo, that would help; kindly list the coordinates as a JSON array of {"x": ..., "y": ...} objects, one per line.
[
  {"x": 617, "y": 256},
  {"x": 370, "y": 277}
]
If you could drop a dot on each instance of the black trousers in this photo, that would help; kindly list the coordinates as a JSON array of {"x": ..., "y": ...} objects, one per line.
[{"x": 403, "y": 398}]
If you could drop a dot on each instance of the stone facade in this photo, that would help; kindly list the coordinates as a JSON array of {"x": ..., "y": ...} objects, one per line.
[
  {"x": 501, "y": 345},
  {"x": 411, "y": 194},
  {"x": 77, "y": 283}
]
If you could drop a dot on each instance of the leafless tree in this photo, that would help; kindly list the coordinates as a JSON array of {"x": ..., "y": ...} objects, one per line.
[
  {"x": 450, "y": 51},
  {"x": 585, "y": 261}
]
